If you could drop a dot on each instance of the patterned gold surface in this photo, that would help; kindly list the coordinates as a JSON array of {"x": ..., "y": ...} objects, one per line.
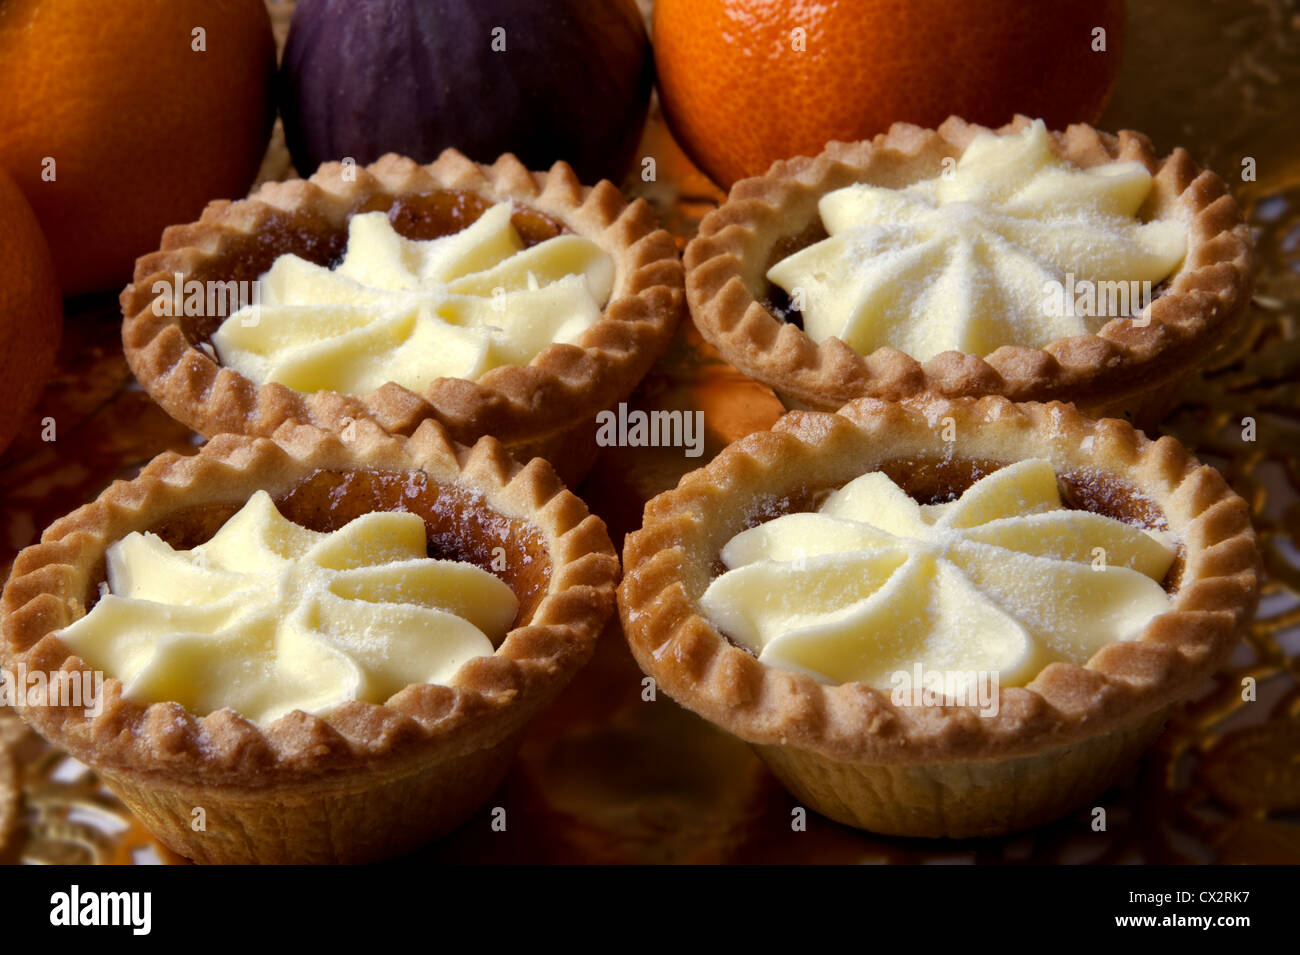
[{"x": 609, "y": 776}]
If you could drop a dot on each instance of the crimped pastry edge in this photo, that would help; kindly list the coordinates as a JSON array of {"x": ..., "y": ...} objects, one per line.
[
  {"x": 1206, "y": 298},
  {"x": 667, "y": 566},
  {"x": 488, "y": 699},
  {"x": 562, "y": 384}
]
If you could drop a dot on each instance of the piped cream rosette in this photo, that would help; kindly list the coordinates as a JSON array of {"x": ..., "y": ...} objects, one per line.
[
  {"x": 1000, "y": 582},
  {"x": 268, "y": 617},
  {"x": 966, "y": 261},
  {"x": 412, "y": 311}
]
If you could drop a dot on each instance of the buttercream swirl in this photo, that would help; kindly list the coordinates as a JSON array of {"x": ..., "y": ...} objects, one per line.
[
  {"x": 999, "y": 250},
  {"x": 268, "y": 616},
  {"x": 411, "y": 311},
  {"x": 1003, "y": 580}
]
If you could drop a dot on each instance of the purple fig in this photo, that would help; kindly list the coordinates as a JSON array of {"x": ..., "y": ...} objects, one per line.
[{"x": 543, "y": 79}]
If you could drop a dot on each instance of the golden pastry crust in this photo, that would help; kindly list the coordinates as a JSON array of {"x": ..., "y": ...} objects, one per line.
[
  {"x": 559, "y": 389},
  {"x": 670, "y": 561},
  {"x": 1109, "y": 371},
  {"x": 166, "y": 759}
]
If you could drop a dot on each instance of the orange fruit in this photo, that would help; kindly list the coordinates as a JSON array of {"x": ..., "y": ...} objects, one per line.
[
  {"x": 115, "y": 125},
  {"x": 31, "y": 311},
  {"x": 746, "y": 82}
]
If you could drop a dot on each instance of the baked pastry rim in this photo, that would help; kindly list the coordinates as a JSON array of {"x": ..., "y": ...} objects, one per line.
[
  {"x": 1205, "y": 300},
  {"x": 487, "y": 700},
  {"x": 561, "y": 386},
  {"x": 667, "y": 565}
]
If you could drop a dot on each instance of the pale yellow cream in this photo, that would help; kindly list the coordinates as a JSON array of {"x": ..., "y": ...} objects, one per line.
[
  {"x": 412, "y": 311},
  {"x": 268, "y": 617},
  {"x": 984, "y": 255},
  {"x": 1001, "y": 581}
]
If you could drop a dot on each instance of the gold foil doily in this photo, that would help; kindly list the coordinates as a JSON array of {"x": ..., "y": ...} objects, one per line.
[{"x": 607, "y": 776}]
